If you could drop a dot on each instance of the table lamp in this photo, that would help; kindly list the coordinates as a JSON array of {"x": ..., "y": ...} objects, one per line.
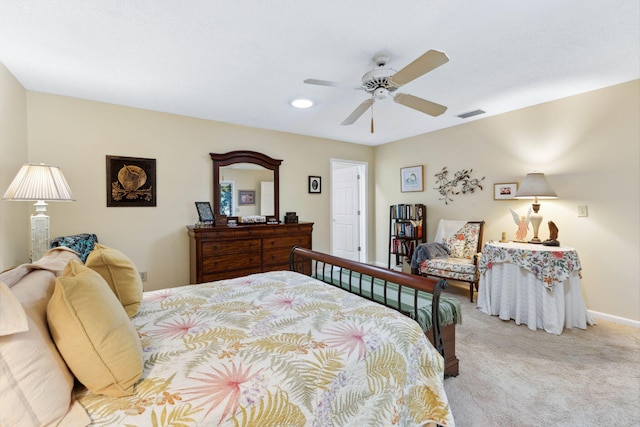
[
  {"x": 41, "y": 183},
  {"x": 535, "y": 186}
]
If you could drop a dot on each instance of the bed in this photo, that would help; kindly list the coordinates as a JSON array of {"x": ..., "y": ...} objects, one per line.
[{"x": 278, "y": 348}]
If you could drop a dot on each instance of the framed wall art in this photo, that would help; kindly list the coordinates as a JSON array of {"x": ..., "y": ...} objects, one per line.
[
  {"x": 411, "y": 179},
  {"x": 246, "y": 197},
  {"x": 205, "y": 213},
  {"x": 131, "y": 181},
  {"x": 315, "y": 184},
  {"x": 505, "y": 190}
]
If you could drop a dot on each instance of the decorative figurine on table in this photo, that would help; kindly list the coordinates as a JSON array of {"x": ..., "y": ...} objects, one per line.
[
  {"x": 523, "y": 224},
  {"x": 553, "y": 235}
]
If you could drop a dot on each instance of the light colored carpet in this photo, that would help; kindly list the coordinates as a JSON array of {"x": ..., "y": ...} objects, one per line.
[{"x": 512, "y": 376}]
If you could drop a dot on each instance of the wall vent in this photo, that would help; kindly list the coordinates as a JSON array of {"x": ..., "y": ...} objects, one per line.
[{"x": 471, "y": 114}]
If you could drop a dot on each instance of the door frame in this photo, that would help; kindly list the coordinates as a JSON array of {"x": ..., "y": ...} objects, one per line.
[{"x": 362, "y": 203}]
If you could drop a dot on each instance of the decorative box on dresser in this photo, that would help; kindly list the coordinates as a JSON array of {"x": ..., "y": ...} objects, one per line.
[{"x": 225, "y": 252}]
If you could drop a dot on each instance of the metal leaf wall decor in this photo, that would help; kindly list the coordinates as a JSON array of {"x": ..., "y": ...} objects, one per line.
[{"x": 462, "y": 183}]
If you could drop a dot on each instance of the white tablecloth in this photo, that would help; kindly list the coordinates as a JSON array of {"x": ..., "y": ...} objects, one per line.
[{"x": 512, "y": 292}]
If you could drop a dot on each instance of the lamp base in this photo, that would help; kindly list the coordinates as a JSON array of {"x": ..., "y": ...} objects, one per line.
[
  {"x": 39, "y": 236},
  {"x": 536, "y": 218}
]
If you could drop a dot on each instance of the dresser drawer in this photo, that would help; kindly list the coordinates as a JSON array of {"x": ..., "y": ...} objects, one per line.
[
  {"x": 221, "y": 275},
  {"x": 276, "y": 267},
  {"x": 230, "y": 262},
  {"x": 223, "y": 247},
  {"x": 276, "y": 256},
  {"x": 287, "y": 242}
]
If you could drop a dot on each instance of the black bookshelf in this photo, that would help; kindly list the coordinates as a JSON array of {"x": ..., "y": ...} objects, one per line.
[{"x": 407, "y": 229}]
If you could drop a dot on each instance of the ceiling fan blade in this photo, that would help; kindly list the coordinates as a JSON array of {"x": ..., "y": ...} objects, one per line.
[
  {"x": 331, "y": 84},
  {"x": 427, "y": 62},
  {"x": 321, "y": 83},
  {"x": 422, "y": 105},
  {"x": 362, "y": 108},
  {"x": 328, "y": 83}
]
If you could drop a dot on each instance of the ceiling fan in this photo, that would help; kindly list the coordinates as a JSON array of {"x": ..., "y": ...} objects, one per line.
[{"x": 383, "y": 81}]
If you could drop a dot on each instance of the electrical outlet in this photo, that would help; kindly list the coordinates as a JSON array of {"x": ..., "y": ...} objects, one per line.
[
  {"x": 582, "y": 210},
  {"x": 143, "y": 276}
]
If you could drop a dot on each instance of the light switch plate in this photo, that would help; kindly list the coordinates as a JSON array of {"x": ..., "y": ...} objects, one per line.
[{"x": 583, "y": 211}]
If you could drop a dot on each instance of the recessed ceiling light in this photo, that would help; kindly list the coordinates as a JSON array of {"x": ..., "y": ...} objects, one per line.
[{"x": 302, "y": 103}]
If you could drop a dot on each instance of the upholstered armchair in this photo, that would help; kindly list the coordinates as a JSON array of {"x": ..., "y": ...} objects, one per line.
[{"x": 453, "y": 254}]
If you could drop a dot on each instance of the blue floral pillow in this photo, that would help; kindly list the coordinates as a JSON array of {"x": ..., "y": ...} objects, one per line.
[{"x": 81, "y": 243}]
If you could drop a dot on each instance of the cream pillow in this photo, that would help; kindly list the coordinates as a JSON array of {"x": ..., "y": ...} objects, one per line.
[
  {"x": 120, "y": 273},
  {"x": 13, "y": 318},
  {"x": 36, "y": 387},
  {"x": 93, "y": 333}
]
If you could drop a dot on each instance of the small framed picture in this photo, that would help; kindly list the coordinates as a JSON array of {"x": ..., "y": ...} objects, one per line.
[
  {"x": 505, "y": 190},
  {"x": 205, "y": 213},
  {"x": 246, "y": 197},
  {"x": 411, "y": 179},
  {"x": 315, "y": 184}
]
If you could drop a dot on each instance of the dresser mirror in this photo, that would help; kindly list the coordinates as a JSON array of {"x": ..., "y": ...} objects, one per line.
[{"x": 246, "y": 184}]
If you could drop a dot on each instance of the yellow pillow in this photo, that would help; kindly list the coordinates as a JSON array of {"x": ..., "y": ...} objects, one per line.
[
  {"x": 120, "y": 273},
  {"x": 93, "y": 333}
]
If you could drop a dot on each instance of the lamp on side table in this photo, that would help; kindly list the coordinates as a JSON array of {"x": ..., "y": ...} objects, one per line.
[{"x": 535, "y": 186}]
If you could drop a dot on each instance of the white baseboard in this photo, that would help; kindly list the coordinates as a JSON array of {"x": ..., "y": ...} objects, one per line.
[{"x": 615, "y": 319}]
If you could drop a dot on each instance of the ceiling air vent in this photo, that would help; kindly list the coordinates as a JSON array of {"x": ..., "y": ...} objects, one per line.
[{"x": 471, "y": 114}]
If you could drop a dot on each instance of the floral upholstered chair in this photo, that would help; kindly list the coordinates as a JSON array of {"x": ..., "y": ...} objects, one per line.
[{"x": 453, "y": 254}]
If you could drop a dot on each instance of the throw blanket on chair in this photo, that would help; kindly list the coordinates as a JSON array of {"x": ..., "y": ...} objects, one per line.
[{"x": 429, "y": 250}]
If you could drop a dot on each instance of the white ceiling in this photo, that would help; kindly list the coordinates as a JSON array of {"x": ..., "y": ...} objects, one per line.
[{"x": 243, "y": 61}]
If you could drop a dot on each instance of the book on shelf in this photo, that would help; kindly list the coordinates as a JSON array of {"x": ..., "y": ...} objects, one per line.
[
  {"x": 407, "y": 211},
  {"x": 411, "y": 229},
  {"x": 403, "y": 247}
]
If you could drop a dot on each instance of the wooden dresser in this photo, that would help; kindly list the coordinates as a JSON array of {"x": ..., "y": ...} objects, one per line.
[{"x": 225, "y": 252}]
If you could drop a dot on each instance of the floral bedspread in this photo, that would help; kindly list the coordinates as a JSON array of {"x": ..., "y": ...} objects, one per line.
[
  {"x": 550, "y": 264},
  {"x": 277, "y": 349}
]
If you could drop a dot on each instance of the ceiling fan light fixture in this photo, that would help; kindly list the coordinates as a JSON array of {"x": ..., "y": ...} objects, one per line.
[
  {"x": 302, "y": 103},
  {"x": 381, "y": 93}
]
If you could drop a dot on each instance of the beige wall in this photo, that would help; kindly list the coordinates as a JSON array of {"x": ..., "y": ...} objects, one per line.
[
  {"x": 587, "y": 146},
  {"x": 14, "y": 216},
  {"x": 77, "y": 135}
]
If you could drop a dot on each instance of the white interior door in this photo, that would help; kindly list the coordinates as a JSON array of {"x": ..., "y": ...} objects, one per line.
[
  {"x": 347, "y": 231},
  {"x": 266, "y": 198}
]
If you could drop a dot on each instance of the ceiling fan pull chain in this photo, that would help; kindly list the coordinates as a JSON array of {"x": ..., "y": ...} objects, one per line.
[{"x": 372, "y": 119}]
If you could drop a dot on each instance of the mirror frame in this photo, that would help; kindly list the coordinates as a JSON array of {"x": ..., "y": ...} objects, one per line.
[{"x": 245, "y": 156}]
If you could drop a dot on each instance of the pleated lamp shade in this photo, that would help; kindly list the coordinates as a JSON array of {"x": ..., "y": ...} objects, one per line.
[{"x": 39, "y": 182}]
